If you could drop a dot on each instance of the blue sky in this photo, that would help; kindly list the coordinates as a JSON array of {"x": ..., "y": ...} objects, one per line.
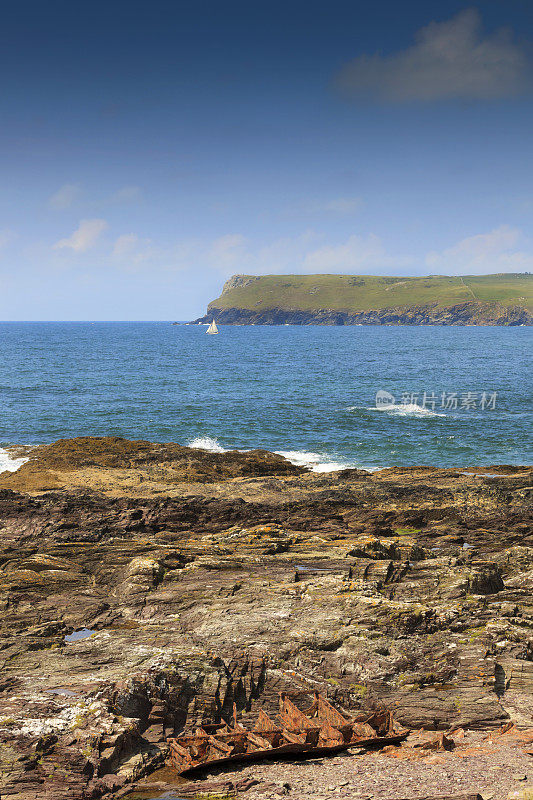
[{"x": 151, "y": 149}]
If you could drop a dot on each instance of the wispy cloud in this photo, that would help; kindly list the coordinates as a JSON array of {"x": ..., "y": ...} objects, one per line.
[
  {"x": 235, "y": 253},
  {"x": 301, "y": 254},
  {"x": 132, "y": 249},
  {"x": 84, "y": 237},
  {"x": 133, "y": 253},
  {"x": 65, "y": 197},
  {"x": 498, "y": 250},
  {"x": 227, "y": 251},
  {"x": 344, "y": 205},
  {"x": 503, "y": 249},
  {"x": 226, "y": 254},
  {"x": 451, "y": 59},
  {"x": 356, "y": 254},
  {"x": 127, "y": 194}
]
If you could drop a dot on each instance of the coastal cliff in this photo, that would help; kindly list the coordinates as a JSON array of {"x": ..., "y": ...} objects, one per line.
[
  {"x": 200, "y": 580},
  {"x": 503, "y": 299}
]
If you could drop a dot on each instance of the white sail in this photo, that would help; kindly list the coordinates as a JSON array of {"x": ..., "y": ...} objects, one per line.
[{"x": 212, "y": 328}]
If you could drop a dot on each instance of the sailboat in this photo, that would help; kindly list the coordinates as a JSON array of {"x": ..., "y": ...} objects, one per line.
[{"x": 212, "y": 328}]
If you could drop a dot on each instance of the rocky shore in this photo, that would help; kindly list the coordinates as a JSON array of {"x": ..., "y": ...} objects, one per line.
[
  {"x": 466, "y": 313},
  {"x": 198, "y": 580},
  {"x": 373, "y": 300}
]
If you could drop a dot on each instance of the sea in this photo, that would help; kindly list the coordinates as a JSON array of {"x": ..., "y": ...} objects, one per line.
[{"x": 325, "y": 397}]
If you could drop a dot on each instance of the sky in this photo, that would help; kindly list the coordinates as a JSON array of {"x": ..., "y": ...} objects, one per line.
[{"x": 150, "y": 150}]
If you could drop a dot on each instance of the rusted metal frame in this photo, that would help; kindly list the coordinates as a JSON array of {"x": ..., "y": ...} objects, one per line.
[{"x": 322, "y": 729}]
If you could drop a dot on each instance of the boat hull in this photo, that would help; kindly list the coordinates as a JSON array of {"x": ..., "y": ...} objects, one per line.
[{"x": 321, "y": 731}]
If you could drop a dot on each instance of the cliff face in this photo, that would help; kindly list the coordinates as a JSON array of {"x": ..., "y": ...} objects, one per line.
[
  {"x": 468, "y": 313},
  {"x": 503, "y": 299}
]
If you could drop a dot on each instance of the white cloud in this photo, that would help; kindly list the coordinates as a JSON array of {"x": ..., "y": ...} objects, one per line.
[
  {"x": 503, "y": 249},
  {"x": 500, "y": 250},
  {"x": 133, "y": 253},
  {"x": 496, "y": 251},
  {"x": 356, "y": 254},
  {"x": 234, "y": 253},
  {"x": 286, "y": 254},
  {"x": 226, "y": 254},
  {"x": 65, "y": 197},
  {"x": 124, "y": 245},
  {"x": 127, "y": 194},
  {"x": 451, "y": 59},
  {"x": 132, "y": 249},
  {"x": 228, "y": 251},
  {"x": 84, "y": 237}
]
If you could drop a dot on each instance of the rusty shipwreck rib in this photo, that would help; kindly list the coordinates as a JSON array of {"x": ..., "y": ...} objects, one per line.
[{"x": 321, "y": 730}]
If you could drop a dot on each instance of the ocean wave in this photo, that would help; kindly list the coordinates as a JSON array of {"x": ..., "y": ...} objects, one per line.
[
  {"x": 207, "y": 443},
  {"x": 8, "y": 463},
  {"x": 317, "y": 462},
  {"x": 407, "y": 409},
  {"x": 400, "y": 410}
]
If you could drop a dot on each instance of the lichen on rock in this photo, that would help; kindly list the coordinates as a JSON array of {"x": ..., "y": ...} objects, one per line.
[{"x": 259, "y": 577}]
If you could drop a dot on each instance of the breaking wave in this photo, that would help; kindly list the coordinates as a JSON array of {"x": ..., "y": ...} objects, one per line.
[
  {"x": 400, "y": 410},
  {"x": 317, "y": 462},
  {"x": 409, "y": 409},
  {"x": 206, "y": 443},
  {"x": 8, "y": 463}
]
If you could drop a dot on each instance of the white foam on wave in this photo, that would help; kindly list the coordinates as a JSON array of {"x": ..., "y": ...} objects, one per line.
[
  {"x": 400, "y": 410},
  {"x": 207, "y": 443},
  {"x": 407, "y": 409},
  {"x": 318, "y": 462},
  {"x": 8, "y": 463}
]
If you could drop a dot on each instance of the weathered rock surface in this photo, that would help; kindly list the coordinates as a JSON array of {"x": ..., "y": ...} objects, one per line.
[
  {"x": 373, "y": 300},
  {"x": 476, "y": 768},
  {"x": 473, "y": 312},
  {"x": 117, "y": 465},
  {"x": 208, "y": 579}
]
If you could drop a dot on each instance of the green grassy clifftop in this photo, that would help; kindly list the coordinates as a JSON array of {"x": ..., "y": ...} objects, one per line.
[
  {"x": 366, "y": 292},
  {"x": 500, "y": 299}
]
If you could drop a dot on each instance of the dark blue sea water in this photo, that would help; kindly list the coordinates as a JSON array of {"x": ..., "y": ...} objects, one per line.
[{"x": 306, "y": 391}]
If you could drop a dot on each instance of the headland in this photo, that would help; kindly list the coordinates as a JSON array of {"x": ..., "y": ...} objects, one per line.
[{"x": 500, "y": 299}]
